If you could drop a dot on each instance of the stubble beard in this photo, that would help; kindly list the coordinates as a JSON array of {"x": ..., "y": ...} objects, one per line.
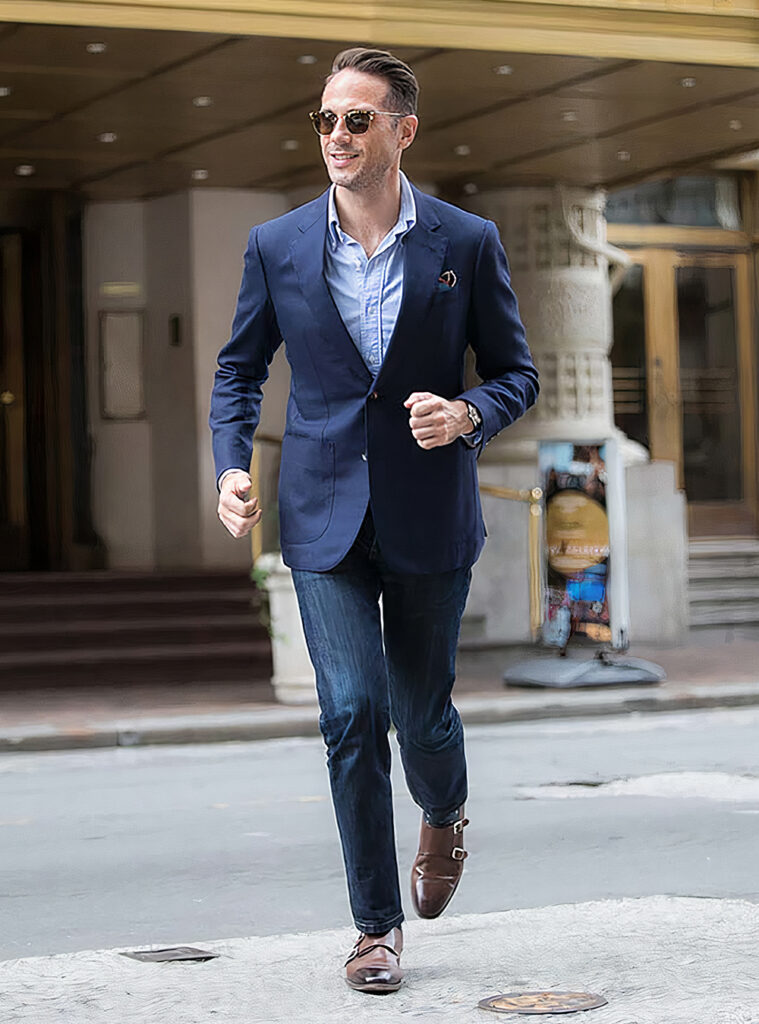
[{"x": 366, "y": 179}]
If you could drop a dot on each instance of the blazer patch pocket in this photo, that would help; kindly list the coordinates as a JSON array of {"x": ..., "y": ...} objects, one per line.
[{"x": 306, "y": 488}]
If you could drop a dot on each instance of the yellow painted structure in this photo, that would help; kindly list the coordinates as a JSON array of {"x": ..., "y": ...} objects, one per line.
[{"x": 695, "y": 31}]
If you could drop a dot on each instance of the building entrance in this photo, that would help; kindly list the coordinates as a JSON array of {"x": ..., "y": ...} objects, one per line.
[{"x": 684, "y": 378}]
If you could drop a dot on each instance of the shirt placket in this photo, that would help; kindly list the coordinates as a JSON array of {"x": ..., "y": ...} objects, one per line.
[{"x": 370, "y": 312}]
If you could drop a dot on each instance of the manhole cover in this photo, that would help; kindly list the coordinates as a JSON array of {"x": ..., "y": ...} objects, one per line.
[
  {"x": 160, "y": 956},
  {"x": 542, "y": 1002}
]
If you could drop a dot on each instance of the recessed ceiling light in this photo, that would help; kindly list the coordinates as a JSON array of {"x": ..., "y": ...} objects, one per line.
[
  {"x": 462, "y": 150},
  {"x": 569, "y": 115},
  {"x": 470, "y": 188},
  {"x": 25, "y": 170},
  {"x": 5, "y": 90},
  {"x": 688, "y": 83},
  {"x": 96, "y": 47},
  {"x": 202, "y": 101},
  {"x": 290, "y": 145},
  {"x": 735, "y": 125},
  {"x": 307, "y": 58},
  {"x": 623, "y": 155},
  {"x": 107, "y": 137},
  {"x": 199, "y": 174},
  {"x": 503, "y": 69}
]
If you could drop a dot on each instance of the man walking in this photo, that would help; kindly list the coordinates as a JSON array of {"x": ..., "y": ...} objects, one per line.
[{"x": 376, "y": 289}]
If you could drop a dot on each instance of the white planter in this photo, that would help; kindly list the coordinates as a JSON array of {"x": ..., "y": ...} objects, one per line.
[{"x": 293, "y": 679}]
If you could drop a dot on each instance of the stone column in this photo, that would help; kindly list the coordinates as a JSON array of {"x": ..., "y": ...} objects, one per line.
[{"x": 555, "y": 239}]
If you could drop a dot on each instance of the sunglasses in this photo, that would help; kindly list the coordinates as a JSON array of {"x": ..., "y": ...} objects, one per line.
[{"x": 356, "y": 121}]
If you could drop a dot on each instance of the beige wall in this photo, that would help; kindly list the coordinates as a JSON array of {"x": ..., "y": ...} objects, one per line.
[
  {"x": 220, "y": 222},
  {"x": 154, "y": 487},
  {"x": 170, "y": 379},
  {"x": 122, "y": 503}
]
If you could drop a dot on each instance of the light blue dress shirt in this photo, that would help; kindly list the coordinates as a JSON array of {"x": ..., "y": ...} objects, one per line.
[{"x": 367, "y": 290}]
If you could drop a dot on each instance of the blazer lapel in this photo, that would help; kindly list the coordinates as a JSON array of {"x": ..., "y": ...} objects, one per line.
[
  {"x": 425, "y": 248},
  {"x": 307, "y": 254}
]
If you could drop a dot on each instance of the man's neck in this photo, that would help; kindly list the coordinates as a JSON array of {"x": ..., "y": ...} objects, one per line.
[{"x": 368, "y": 215}]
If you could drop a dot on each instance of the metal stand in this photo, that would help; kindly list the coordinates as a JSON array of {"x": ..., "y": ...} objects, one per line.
[{"x": 607, "y": 668}]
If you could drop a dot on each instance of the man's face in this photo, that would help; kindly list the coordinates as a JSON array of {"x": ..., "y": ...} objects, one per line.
[{"x": 359, "y": 162}]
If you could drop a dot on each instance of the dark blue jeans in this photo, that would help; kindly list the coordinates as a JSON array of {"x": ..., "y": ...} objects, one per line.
[{"x": 373, "y": 668}]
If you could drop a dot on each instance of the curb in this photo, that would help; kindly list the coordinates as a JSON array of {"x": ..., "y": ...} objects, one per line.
[{"x": 281, "y": 723}]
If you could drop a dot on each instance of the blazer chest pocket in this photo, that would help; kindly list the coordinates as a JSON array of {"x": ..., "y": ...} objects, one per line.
[{"x": 306, "y": 488}]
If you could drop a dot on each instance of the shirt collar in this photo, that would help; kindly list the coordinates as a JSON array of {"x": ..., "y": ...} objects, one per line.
[{"x": 406, "y": 216}]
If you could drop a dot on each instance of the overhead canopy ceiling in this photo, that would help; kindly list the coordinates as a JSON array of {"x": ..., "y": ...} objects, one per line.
[{"x": 488, "y": 119}]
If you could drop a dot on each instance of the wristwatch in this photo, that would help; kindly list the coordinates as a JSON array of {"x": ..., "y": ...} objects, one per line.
[{"x": 474, "y": 415}]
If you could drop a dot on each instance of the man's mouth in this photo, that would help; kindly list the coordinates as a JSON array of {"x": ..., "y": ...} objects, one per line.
[{"x": 342, "y": 158}]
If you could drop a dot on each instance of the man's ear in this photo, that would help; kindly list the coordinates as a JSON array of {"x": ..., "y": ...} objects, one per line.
[{"x": 409, "y": 126}]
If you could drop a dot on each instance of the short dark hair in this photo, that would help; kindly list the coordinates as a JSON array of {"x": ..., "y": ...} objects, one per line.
[{"x": 402, "y": 86}]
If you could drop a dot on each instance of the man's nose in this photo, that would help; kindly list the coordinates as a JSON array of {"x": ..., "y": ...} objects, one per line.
[{"x": 340, "y": 131}]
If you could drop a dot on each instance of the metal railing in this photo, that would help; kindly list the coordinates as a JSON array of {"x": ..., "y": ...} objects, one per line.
[
  {"x": 534, "y": 498},
  {"x": 257, "y": 533}
]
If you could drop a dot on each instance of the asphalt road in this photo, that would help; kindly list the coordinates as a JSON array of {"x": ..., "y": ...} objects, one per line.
[{"x": 175, "y": 845}]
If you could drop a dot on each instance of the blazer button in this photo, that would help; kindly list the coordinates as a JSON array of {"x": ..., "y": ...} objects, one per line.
[
  {"x": 374, "y": 394},
  {"x": 363, "y": 456}
]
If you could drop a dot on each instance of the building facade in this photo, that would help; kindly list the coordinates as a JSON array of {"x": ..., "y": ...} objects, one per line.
[{"x": 615, "y": 144}]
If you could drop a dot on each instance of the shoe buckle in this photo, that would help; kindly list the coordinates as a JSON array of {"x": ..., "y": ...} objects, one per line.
[
  {"x": 458, "y": 826},
  {"x": 458, "y": 853}
]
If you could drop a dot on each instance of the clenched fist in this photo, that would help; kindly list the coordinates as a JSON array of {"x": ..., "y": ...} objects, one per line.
[
  {"x": 435, "y": 421},
  {"x": 236, "y": 509}
]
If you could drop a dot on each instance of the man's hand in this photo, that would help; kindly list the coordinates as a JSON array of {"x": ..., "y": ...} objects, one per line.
[
  {"x": 435, "y": 421},
  {"x": 237, "y": 511}
]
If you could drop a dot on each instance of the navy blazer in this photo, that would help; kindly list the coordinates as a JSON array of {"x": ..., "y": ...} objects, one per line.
[{"x": 347, "y": 442}]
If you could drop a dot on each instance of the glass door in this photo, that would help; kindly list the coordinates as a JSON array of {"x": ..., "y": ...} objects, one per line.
[
  {"x": 684, "y": 379},
  {"x": 716, "y": 394}
]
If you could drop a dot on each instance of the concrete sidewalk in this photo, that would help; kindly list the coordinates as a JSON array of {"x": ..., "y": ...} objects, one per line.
[
  {"x": 656, "y": 960},
  {"x": 716, "y": 668},
  {"x": 270, "y": 722}
]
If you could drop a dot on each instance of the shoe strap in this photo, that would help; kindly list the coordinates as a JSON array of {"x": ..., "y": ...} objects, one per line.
[{"x": 357, "y": 953}]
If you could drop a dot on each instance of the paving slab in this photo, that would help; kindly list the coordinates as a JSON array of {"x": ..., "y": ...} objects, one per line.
[{"x": 656, "y": 960}]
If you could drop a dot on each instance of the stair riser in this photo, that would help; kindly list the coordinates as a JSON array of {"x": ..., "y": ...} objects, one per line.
[
  {"x": 125, "y": 608},
  {"x": 720, "y": 574},
  {"x": 180, "y": 671},
  {"x": 719, "y": 615},
  {"x": 124, "y": 638},
  {"x": 727, "y": 593},
  {"x": 20, "y": 584}
]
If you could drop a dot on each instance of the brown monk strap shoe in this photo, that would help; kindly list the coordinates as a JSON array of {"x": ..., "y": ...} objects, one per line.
[
  {"x": 438, "y": 866},
  {"x": 374, "y": 963}
]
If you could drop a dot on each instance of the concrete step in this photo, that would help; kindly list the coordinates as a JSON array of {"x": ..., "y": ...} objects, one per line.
[
  {"x": 723, "y": 581},
  {"x": 122, "y": 632},
  {"x": 115, "y": 628},
  {"x": 724, "y": 592},
  {"x": 722, "y": 569},
  {"x": 130, "y": 604},
  {"x": 106, "y": 581},
  {"x": 738, "y": 613},
  {"x": 158, "y": 663},
  {"x": 719, "y": 547}
]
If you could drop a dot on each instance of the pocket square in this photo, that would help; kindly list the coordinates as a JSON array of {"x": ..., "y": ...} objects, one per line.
[{"x": 446, "y": 280}]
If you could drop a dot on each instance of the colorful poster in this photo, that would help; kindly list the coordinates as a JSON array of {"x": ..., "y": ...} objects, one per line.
[{"x": 576, "y": 595}]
